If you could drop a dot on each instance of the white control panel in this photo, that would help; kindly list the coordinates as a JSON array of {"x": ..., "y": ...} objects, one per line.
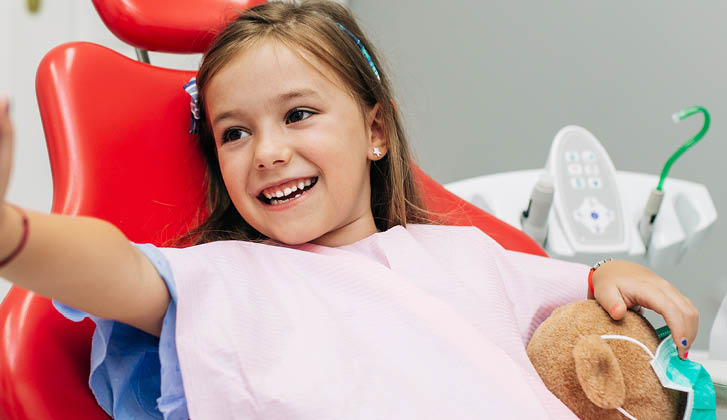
[
  {"x": 587, "y": 202},
  {"x": 596, "y": 208}
]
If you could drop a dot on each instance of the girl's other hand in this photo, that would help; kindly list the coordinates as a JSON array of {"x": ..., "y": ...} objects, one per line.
[
  {"x": 619, "y": 285},
  {"x": 6, "y": 149}
]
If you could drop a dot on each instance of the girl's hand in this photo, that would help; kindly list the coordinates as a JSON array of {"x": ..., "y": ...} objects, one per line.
[
  {"x": 6, "y": 150},
  {"x": 619, "y": 285}
]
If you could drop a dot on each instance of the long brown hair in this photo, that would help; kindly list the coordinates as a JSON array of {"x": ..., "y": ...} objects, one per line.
[{"x": 311, "y": 26}]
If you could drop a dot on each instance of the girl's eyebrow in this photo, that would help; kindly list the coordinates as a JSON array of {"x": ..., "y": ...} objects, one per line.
[
  {"x": 280, "y": 99},
  {"x": 294, "y": 94}
]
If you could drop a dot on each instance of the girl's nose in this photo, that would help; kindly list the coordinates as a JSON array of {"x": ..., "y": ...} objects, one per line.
[{"x": 271, "y": 151}]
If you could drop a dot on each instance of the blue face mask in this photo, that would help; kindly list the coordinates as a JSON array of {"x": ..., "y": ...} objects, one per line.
[{"x": 680, "y": 375}]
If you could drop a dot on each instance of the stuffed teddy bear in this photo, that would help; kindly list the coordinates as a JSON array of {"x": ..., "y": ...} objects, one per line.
[{"x": 595, "y": 377}]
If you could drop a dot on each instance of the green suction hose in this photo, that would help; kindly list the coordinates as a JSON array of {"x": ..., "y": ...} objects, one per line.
[
  {"x": 651, "y": 210},
  {"x": 686, "y": 146}
]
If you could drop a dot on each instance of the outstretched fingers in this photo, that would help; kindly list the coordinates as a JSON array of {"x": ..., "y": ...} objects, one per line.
[{"x": 6, "y": 145}]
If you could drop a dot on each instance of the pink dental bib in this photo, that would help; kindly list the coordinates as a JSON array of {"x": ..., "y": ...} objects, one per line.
[{"x": 427, "y": 322}]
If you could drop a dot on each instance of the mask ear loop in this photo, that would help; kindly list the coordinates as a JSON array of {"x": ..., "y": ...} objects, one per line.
[
  {"x": 640, "y": 344},
  {"x": 625, "y": 338},
  {"x": 626, "y": 413}
]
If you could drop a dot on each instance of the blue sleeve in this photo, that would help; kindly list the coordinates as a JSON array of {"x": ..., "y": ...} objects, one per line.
[{"x": 135, "y": 375}]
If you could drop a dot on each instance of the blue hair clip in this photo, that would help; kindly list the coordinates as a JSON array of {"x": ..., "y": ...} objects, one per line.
[
  {"x": 363, "y": 50},
  {"x": 191, "y": 88}
]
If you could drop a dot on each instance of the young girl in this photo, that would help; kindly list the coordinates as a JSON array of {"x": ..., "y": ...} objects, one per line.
[{"x": 317, "y": 288}]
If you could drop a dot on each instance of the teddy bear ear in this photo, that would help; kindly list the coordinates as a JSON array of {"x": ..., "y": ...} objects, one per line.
[{"x": 599, "y": 372}]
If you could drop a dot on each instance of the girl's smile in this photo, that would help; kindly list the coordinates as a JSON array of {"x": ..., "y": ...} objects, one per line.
[
  {"x": 288, "y": 191},
  {"x": 285, "y": 188}
]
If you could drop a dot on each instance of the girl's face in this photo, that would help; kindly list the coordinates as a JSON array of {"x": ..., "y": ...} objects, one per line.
[{"x": 294, "y": 146}]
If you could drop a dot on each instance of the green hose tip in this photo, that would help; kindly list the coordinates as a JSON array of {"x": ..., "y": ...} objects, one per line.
[{"x": 678, "y": 116}]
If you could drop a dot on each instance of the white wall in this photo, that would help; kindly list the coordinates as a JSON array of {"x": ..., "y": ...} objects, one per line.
[{"x": 4, "y": 46}]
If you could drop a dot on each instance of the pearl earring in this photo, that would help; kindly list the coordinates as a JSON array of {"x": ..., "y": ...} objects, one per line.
[{"x": 377, "y": 152}]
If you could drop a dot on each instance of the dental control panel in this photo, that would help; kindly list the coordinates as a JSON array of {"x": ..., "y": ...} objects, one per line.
[
  {"x": 589, "y": 210},
  {"x": 587, "y": 202}
]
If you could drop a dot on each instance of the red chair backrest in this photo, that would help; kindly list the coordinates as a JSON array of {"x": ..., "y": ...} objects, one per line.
[{"x": 119, "y": 150}]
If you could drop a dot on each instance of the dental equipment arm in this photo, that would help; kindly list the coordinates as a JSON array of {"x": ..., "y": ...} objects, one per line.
[
  {"x": 535, "y": 218},
  {"x": 646, "y": 223}
]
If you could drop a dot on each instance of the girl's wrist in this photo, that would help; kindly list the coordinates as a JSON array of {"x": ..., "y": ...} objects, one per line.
[
  {"x": 13, "y": 230},
  {"x": 592, "y": 274},
  {"x": 6, "y": 221}
]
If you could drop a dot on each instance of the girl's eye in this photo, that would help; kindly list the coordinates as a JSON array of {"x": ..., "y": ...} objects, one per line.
[
  {"x": 297, "y": 115},
  {"x": 232, "y": 134}
]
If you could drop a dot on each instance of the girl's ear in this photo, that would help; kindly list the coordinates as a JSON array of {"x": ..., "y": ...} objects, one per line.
[{"x": 378, "y": 140}]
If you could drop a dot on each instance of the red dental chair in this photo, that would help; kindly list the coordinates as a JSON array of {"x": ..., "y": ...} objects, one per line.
[{"x": 119, "y": 150}]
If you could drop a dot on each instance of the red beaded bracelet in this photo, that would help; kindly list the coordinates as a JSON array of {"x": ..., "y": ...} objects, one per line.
[
  {"x": 23, "y": 240},
  {"x": 590, "y": 282}
]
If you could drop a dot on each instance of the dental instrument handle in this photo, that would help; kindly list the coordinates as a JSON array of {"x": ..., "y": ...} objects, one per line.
[
  {"x": 646, "y": 223},
  {"x": 534, "y": 220}
]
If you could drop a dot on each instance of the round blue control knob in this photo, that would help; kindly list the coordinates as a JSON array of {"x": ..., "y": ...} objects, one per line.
[{"x": 594, "y": 215}]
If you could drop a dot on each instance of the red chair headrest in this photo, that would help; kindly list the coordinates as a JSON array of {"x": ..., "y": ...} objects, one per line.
[{"x": 174, "y": 26}]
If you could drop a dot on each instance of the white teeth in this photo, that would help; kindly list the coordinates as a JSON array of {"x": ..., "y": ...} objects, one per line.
[
  {"x": 297, "y": 195},
  {"x": 288, "y": 190},
  {"x": 273, "y": 201}
]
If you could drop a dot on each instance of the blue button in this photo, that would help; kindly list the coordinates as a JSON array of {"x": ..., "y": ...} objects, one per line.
[{"x": 594, "y": 215}]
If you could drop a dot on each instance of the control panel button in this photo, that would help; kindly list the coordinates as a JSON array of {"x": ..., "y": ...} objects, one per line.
[
  {"x": 595, "y": 183},
  {"x": 594, "y": 215},
  {"x": 575, "y": 169},
  {"x": 578, "y": 183},
  {"x": 571, "y": 156},
  {"x": 591, "y": 169},
  {"x": 588, "y": 156}
]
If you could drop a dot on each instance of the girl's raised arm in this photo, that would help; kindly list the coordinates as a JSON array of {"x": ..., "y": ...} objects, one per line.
[{"x": 85, "y": 263}]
